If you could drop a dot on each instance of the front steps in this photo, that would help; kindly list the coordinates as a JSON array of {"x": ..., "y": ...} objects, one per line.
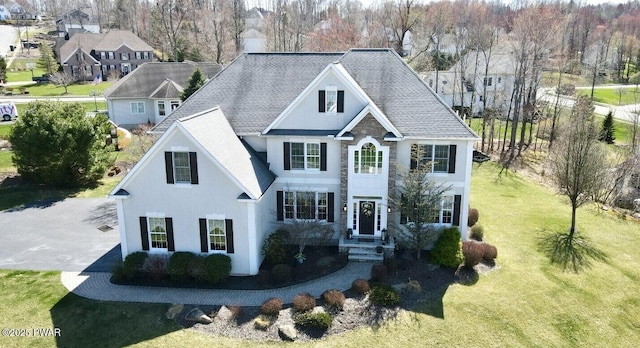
[{"x": 365, "y": 249}]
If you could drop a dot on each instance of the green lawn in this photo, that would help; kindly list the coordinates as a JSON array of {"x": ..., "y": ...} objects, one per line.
[
  {"x": 523, "y": 302},
  {"x": 4, "y": 130},
  {"x": 612, "y": 95},
  {"x": 78, "y": 89}
]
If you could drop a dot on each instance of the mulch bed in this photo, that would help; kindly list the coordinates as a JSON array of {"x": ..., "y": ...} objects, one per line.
[{"x": 357, "y": 312}]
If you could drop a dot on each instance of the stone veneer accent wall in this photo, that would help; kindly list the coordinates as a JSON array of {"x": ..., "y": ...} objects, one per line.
[{"x": 368, "y": 126}]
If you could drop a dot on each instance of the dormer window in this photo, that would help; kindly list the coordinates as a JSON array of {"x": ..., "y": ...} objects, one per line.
[{"x": 331, "y": 100}]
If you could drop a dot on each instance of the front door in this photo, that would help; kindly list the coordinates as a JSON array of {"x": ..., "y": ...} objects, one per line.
[{"x": 367, "y": 217}]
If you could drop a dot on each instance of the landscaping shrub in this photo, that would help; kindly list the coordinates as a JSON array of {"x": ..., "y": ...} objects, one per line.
[
  {"x": 304, "y": 302},
  {"x": 118, "y": 272},
  {"x": 361, "y": 286},
  {"x": 474, "y": 216},
  {"x": 490, "y": 252},
  {"x": 392, "y": 264},
  {"x": 155, "y": 266},
  {"x": 274, "y": 248},
  {"x": 378, "y": 273},
  {"x": 477, "y": 232},
  {"x": 236, "y": 311},
  {"x": 271, "y": 306},
  {"x": 262, "y": 322},
  {"x": 196, "y": 268},
  {"x": 281, "y": 273},
  {"x": 473, "y": 253},
  {"x": 333, "y": 298},
  {"x": 319, "y": 320},
  {"x": 178, "y": 267},
  {"x": 383, "y": 295},
  {"x": 448, "y": 248},
  {"x": 217, "y": 268},
  {"x": 132, "y": 266}
]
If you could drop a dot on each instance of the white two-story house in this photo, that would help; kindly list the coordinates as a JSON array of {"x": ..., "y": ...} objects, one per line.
[{"x": 280, "y": 136}]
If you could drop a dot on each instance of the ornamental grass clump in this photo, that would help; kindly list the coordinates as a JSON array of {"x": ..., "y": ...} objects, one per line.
[
  {"x": 333, "y": 299},
  {"x": 304, "y": 302},
  {"x": 311, "y": 320},
  {"x": 360, "y": 286},
  {"x": 272, "y": 306}
]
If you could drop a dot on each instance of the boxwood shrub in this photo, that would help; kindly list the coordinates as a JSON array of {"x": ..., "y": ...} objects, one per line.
[
  {"x": 217, "y": 268},
  {"x": 132, "y": 265},
  {"x": 178, "y": 267},
  {"x": 383, "y": 295},
  {"x": 311, "y": 320},
  {"x": 447, "y": 250}
]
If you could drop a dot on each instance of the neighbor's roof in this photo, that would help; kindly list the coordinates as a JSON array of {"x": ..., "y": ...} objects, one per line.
[
  {"x": 109, "y": 41},
  {"x": 159, "y": 80},
  {"x": 212, "y": 130},
  {"x": 256, "y": 87}
]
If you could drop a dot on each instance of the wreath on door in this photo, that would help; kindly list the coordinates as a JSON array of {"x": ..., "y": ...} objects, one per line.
[{"x": 367, "y": 209}]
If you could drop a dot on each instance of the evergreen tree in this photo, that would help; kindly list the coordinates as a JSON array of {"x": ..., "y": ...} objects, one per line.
[
  {"x": 47, "y": 61},
  {"x": 56, "y": 144},
  {"x": 608, "y": 131},
  {"x": 195, "y": 82}
]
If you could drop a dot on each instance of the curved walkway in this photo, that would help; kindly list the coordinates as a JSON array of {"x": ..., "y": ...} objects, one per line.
[{"x": 96, "y": 286}]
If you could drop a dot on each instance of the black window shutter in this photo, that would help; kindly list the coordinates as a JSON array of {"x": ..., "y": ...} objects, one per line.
[
  {"x": 323, "y": 157},
  {"x": 403, "y": 202},
  {"x": 168, "y": 165},
  {"x": 456, "y": 209},
  {"x": 280, "y": 205},
  {"x": 204, "y": 239},
  {"x": 144, "y": 234},
  {"x": 228, "y": 224},
  {"x": 170, "y": 244},
  {"x": 414, "y": 156},
  {"x": 287, "y": 156},
  {"x": 340, "y": 101},
  {"x": 452, "y": 158},
  {"x": 330, "y": 207},
  {"x": 193, "y": 163},
  {"x": 321, "y": 102}
]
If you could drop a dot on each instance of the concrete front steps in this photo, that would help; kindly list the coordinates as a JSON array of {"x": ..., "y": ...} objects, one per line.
[{"x": 365, "y": 249}]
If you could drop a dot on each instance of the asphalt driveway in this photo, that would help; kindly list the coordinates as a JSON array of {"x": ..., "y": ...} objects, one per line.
[{"x": 60, "y": 235}]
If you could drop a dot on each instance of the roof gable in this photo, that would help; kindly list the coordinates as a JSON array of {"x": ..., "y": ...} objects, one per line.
[{"x": 213, "y": 137}]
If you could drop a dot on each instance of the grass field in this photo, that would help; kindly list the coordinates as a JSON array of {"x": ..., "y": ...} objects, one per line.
[
  {"x": 613, "y": 96},
  {"x": 78, "y": 89},
  {"x": 524, "y": 302}
]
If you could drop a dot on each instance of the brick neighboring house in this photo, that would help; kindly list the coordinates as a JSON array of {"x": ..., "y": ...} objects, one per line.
[{"x": 88, "y": 55}]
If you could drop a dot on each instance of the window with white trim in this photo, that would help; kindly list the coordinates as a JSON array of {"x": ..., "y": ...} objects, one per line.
[
  {"x": 110, "y": 55},
  {"x": 217, "y": 234},
  {"x": 488, "y": 81},
  {"x": 174, "y": 104},
  {"x": 181, "y": 168},
  {"x": 331, "y": 99},
  {"x": 161, "y": 108},
  {"x": 124, "y": 55},
  {"x": 367, "y": 160},
  {"x": 157, "y": 232},
  {"x": 145, "y": 55},
  {"x": 138, "y": 55},
  {"x": 440, "y": 214},
  {"x": 436, "y": 156},
  {"x": 305, "y": 205},
  {"x": 137, "y": 107},
  {"x": 305, "y": 156},
  {"x": 103, "y": 55}
]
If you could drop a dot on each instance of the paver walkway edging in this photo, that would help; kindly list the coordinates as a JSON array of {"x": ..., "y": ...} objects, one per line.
[{"x": 96, "y": 286}]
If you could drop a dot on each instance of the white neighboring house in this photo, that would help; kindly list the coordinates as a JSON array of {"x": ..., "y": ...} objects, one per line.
[
  {"x": 5, "y": 15},
  {"x": 253, "y": 41},
  {"x": 498, "y": 82},
  {"x": 276, "y": 137},
  {"x": 152, "y": 91}
]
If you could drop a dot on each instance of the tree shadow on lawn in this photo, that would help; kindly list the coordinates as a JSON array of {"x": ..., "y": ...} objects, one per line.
[
  {"x": 570, "y": 254},
  {"x": 85, "y": 323}
]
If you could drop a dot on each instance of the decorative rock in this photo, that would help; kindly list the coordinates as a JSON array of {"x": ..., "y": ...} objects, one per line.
[
  {"x": 197, "y": 315},
  {"x": 224, "y": 313},
  {"x": 287, "y": 332},
  {"x": 262, "y": 322},
  {"x": 399, "y": 287},
  {"x": 174, "y": 310},
  {"x": 318, "y": 309},
  {"x": 636, "y": 205},
  {"x": 414, "y": 286}
]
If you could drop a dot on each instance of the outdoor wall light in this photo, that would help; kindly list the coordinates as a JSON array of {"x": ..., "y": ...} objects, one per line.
[
  {"x": 344, "y": 207},
  {"x": 388, "y": 209}
]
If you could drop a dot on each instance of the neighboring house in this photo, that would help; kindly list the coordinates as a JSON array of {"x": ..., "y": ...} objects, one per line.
[
  {"x": 5, "y": 15},
  {"x": 253, "y": 41},
  {"x": 151, "y": 92},
  {"x": 467, "y": 88},
  {"x": 281, "y": 136},
  {"x": 78, "y": 18},
  {"x": 87, "y": 55}
]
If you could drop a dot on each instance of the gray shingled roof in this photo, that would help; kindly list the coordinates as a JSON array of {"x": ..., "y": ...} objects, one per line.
[
  {"x": 85, "y": 41},
  {"x": 214, "y": 133},
  {"x": 113, "y": 39},
  {"x": 256, "y": 87},
  {"x": 145, "y": 80}
]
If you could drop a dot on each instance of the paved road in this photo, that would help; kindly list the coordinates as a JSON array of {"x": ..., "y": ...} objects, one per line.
[
  {"x": 60, "y": 235},
  {"x": 8, "y": 36},
  {"x": 625, "y": 113}
]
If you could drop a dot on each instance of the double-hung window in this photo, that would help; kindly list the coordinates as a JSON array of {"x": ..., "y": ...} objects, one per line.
[
  {"x": 439, "y": 213},
  {"x": 137, "y": 107},
  {"x": 162, "y": 112},
  {"x": 181, "y": 168},
  {"x": 138, "y": 55},
  {"x": 217, "y": 234},
  {"x": 305, "y": 156},
  {"x": 330, "y": 100},
  {"x": 110, "y": 55},
  {"x": 157, "y": 233},
  {"x": 124, "y": 55}
]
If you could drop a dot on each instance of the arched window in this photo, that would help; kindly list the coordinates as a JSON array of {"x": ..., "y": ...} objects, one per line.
[{"x": 367, "y": 160}]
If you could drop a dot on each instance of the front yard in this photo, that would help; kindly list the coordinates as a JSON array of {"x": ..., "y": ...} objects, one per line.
[{"x": 524, "y": 302}]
